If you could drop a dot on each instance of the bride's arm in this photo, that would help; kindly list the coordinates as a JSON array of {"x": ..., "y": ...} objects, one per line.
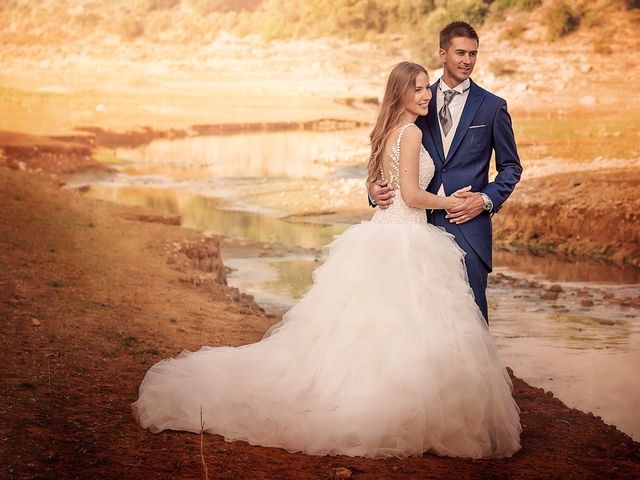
[{"x": 410, "y": 190}]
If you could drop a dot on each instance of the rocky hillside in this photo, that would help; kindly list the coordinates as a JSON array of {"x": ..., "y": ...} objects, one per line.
[{"x": 577, "y": 52}]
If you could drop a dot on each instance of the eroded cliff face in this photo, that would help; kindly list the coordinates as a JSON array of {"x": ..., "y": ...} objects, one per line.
[{"x": 593, "y": 214}]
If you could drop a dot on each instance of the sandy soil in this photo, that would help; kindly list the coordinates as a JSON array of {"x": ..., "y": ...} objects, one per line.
[{"x": 80, "y": 329}]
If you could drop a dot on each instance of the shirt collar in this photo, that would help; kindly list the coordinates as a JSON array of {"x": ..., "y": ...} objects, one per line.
[{"x": 462, "y": 88}]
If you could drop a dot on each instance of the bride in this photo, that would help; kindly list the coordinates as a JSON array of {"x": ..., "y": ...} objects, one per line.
[{"x": 387, "y": 355}]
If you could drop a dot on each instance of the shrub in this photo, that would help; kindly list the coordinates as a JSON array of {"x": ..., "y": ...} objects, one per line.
[
  {"x": 472, "y": 11},
  {"x": 561, "y": 19},
  {"x": 592, "y": 18},
  {"x": 513, "y": 31},
  {"x": 424, "y": 39}
]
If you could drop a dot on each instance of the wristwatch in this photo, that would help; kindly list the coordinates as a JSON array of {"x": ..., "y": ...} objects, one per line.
[{"x": 488, "y": 204}]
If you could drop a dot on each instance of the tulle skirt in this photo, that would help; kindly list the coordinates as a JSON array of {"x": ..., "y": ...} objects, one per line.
[{"x": 386, "y": 355}]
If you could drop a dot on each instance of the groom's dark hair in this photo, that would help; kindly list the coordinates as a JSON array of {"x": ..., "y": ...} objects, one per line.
[{"x": 456, "y": 29}]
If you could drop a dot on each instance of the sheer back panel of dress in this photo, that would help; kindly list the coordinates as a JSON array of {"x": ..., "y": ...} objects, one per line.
[
  {"x": 390, "y": 165},
  {"x": 398, "y": 211}
]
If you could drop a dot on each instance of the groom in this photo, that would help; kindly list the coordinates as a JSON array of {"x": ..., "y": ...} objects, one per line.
[{"x": 464, "y": 125}]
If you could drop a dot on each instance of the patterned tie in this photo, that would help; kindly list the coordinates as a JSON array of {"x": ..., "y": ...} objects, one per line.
[{"x": 445, "y": 114}]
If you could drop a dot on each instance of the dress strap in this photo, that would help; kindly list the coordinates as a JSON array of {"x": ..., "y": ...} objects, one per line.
[{"x": 402, "y": 129}]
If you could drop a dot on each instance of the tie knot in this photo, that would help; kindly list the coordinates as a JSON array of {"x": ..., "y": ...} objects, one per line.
[{"x": 449, "y": 94}]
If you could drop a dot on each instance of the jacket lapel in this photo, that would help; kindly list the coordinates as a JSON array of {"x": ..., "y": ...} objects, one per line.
[
  {"x": 434, "y": 124},
  {"x": 476, "y": 96}
]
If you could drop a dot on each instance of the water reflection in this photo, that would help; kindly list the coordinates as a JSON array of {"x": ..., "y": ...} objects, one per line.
[
  {"x": 203, "y": 212},
  {"x": 586, "y": 358},
  {"x": 583, "y": 332},
  {"x": 296, "y": 154},
  {"x": 566, "y": 269},
  {"x": 207, "y": 214},
  {"x": 275, "y": 283}
]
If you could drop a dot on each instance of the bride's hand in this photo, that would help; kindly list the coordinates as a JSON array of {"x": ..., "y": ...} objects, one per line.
[
  {"x": 453, "y": 202},
  {"x": 455, "y": 199},
  {"x": 461, "y": 190}
]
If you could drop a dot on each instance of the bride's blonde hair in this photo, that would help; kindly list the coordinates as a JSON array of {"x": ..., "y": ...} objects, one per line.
[{"x": 402, "y": 80}]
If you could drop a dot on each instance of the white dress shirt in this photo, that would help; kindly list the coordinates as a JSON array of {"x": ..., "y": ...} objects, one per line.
[{"x": 455, "y": 107}]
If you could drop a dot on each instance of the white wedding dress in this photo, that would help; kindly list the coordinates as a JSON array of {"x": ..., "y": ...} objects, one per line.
[{"x": 387, "y": 355}]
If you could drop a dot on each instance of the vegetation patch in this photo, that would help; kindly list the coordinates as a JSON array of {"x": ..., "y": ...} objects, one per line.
[{"x": 561, "y": 19}]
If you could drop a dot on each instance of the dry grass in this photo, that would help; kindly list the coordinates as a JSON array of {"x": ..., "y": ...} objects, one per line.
[{"x": 202, "y": 460}]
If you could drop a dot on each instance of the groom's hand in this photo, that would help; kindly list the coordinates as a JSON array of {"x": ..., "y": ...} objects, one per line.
[
  {"x": 472, "y": 205},
  {"x": 381, "y": 194}
]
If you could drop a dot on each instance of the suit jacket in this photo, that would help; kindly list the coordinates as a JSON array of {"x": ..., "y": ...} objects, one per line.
[{"x": 484, "y": 128}]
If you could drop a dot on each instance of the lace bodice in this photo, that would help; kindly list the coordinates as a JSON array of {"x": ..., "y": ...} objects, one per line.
[{"x": 400, "y": 212}]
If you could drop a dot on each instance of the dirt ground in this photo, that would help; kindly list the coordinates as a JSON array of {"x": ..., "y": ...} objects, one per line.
[{"x": 92, "y": 294}]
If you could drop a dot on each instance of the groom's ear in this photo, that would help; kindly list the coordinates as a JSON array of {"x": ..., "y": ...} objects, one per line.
[{"x": 443, "y": 55}]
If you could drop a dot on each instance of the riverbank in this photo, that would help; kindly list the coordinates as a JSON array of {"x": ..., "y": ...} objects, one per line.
[
  {"x": 580, "y": 209},
  {"x": 94, "y": 293}
]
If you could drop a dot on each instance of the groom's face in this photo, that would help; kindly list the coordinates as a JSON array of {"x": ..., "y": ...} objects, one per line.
[{"x": 458, "y": 60}]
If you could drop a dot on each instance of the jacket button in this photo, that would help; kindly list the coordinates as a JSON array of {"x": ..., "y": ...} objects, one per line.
[{"x": 444, "y": 170}]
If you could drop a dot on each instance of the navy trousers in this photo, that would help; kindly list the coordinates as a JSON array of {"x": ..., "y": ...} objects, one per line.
[{"x": 477, "y": 270}]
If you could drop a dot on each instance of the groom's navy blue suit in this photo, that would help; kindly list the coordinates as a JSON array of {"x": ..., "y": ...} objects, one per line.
[{"x": 484, "y": 127}]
